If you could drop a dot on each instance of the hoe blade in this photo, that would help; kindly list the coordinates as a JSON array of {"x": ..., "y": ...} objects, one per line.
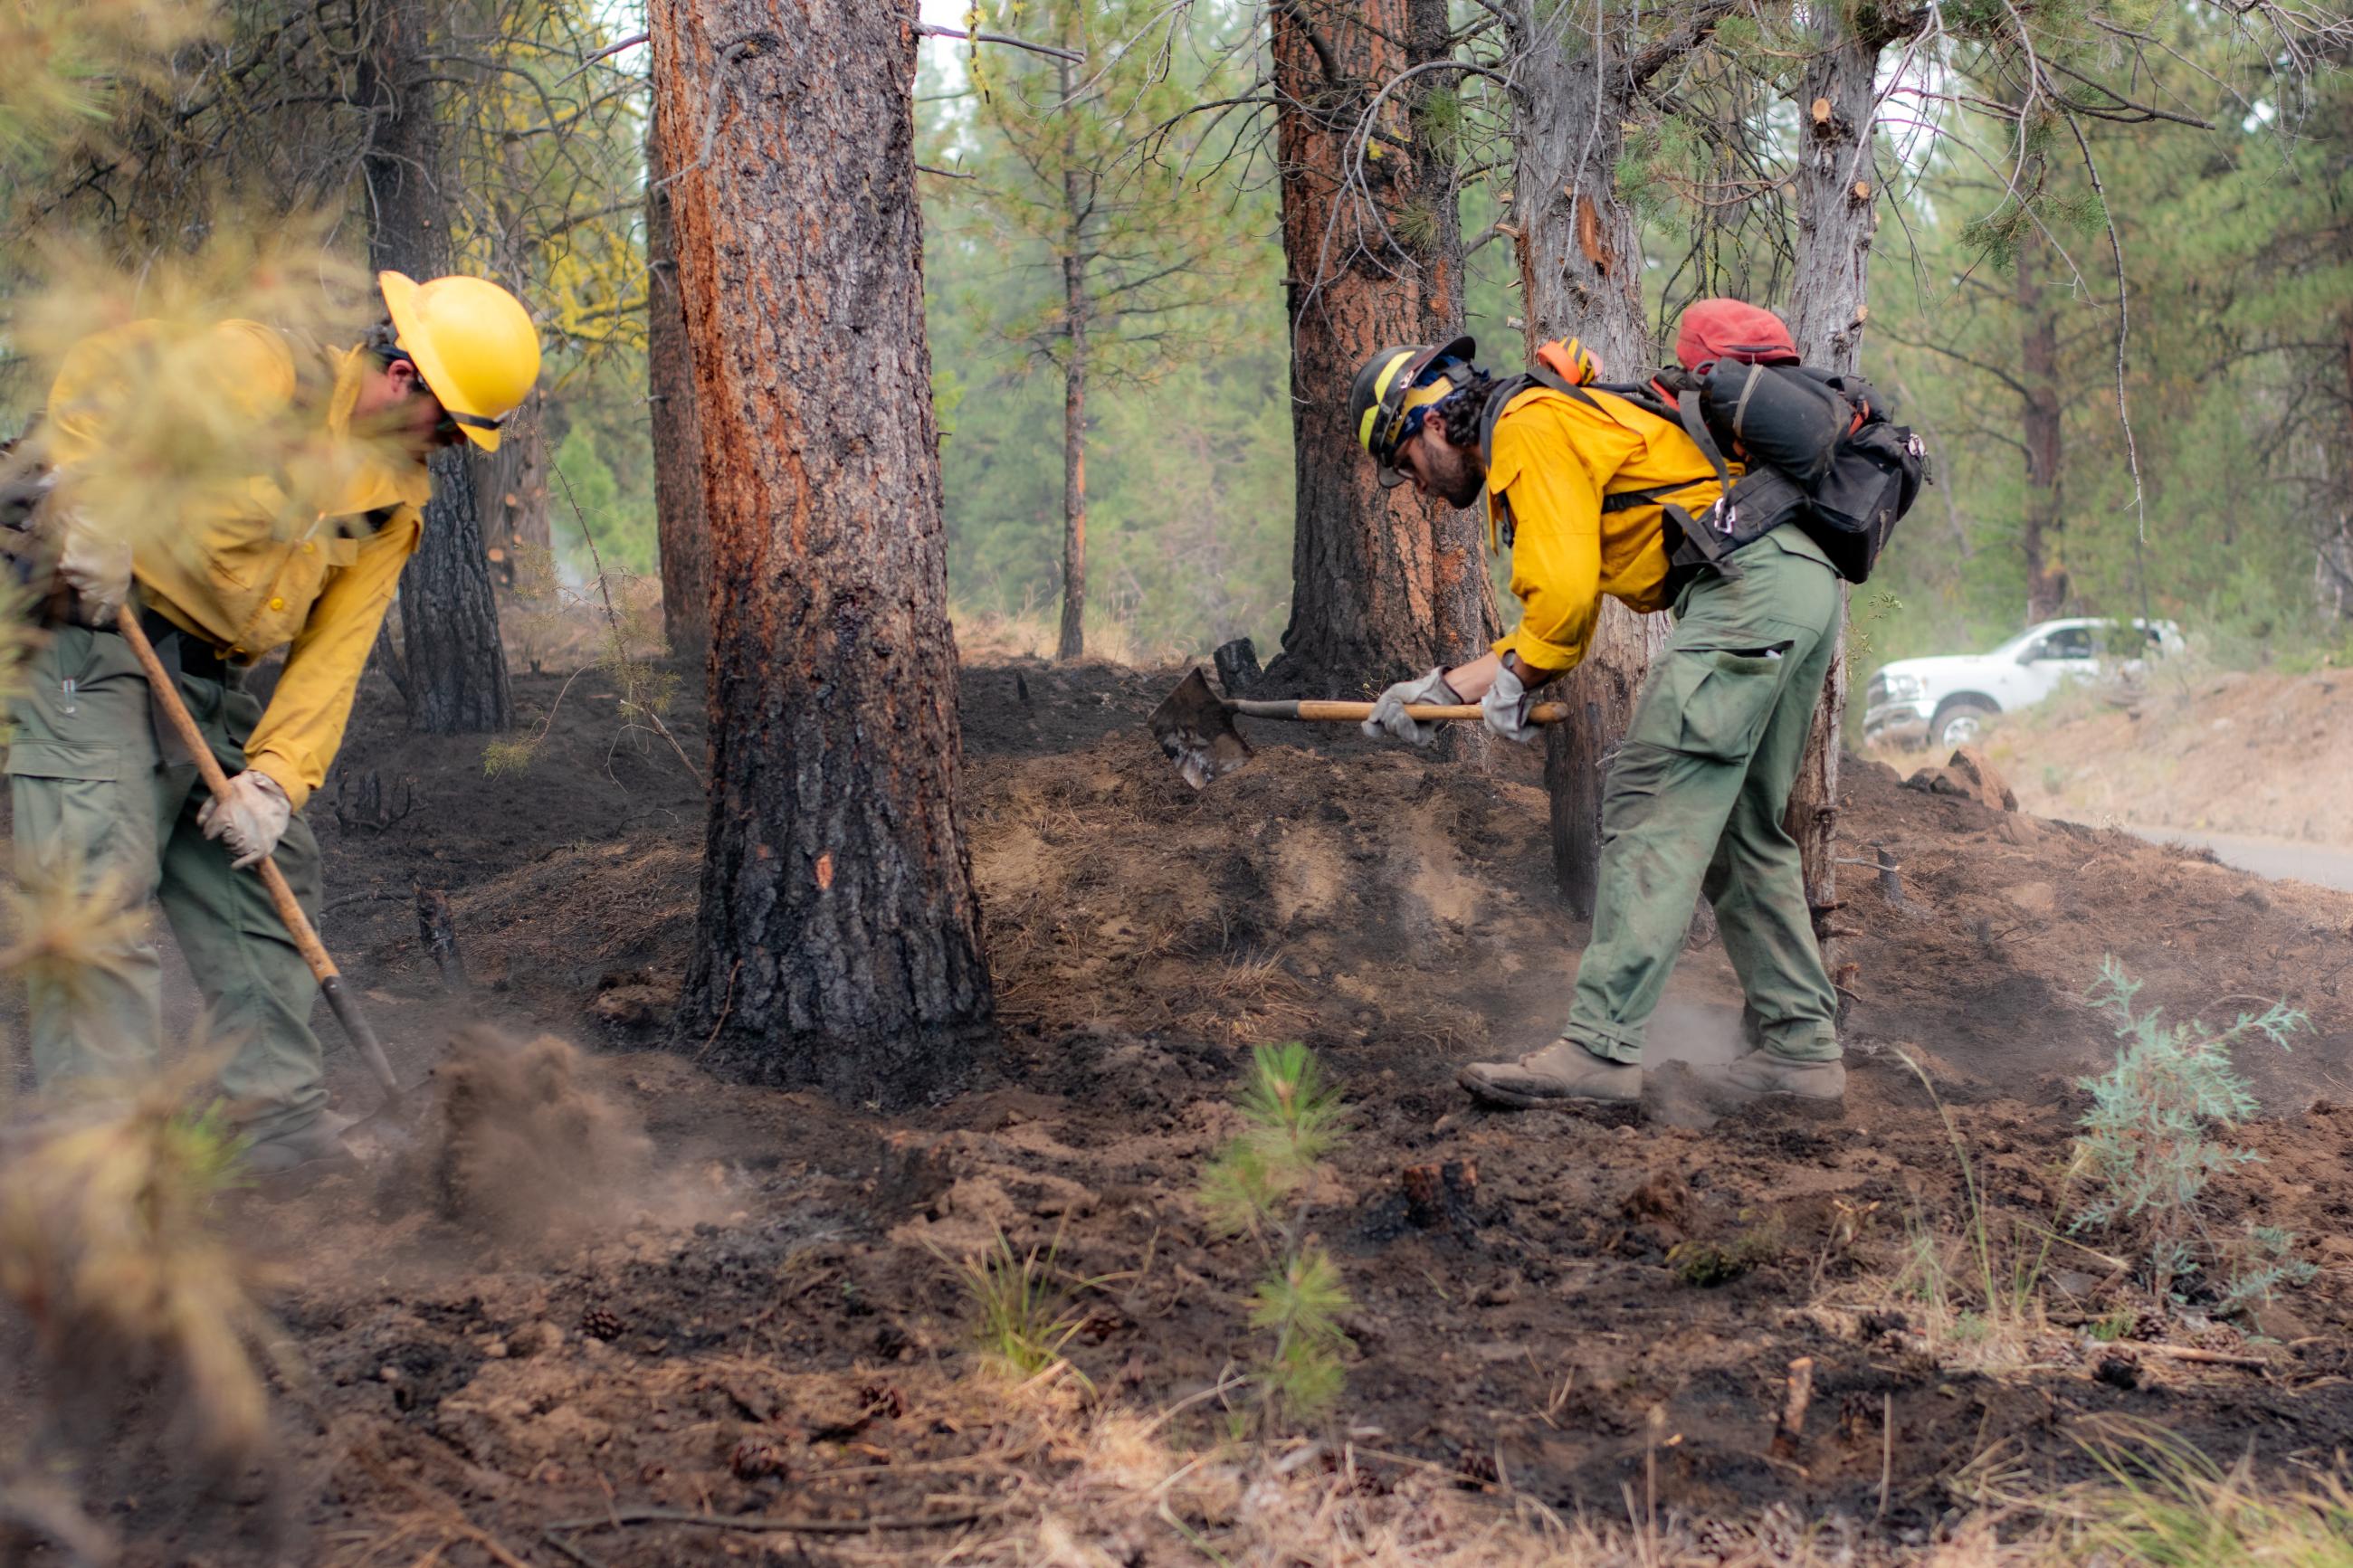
[{"x": 1197, "y": 732}]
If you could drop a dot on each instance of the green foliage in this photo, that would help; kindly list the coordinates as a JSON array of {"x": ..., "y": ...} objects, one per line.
[
  {"x": 1707, "y": 1263},
  {"x": 2147, "y": 1143},
  {"x": 1188, "y": 456},
  {"x": 1257, "y": 1187}
]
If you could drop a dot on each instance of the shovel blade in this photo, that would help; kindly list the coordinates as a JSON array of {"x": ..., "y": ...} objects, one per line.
[{"x": 1196, "y": 732}]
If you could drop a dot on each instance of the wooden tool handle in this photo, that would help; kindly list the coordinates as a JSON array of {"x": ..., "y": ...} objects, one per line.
[
  {"x": 290, "y": 909},
  {"x": 1312, "y": 712}
]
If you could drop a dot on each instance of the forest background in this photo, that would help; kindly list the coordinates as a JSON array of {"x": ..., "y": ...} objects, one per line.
[{"x": 2214, "y": 491}]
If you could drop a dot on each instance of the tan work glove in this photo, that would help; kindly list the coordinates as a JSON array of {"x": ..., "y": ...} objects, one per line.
[
  {"x": 250, "y": 820},
  {"x": 1389, "y": 717},
  {"x": 1506, "y": 706},
  {"x": 96, "y": 567}
]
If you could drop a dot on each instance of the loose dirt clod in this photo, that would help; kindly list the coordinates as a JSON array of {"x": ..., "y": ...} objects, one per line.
[{"x": 522, "y": 1142}]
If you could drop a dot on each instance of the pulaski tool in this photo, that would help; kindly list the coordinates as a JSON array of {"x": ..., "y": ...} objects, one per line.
[{"x": 1195, "y": 726}]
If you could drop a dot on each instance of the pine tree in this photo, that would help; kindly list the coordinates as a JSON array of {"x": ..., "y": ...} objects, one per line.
[{"x": 838, "y": 942}]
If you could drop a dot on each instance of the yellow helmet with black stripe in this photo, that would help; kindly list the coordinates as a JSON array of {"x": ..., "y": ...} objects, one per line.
[{"x": 1395, "y": 388}]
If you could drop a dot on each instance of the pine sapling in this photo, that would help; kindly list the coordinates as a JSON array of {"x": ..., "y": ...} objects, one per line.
[
  {"x": 2147, "y": 1143},
  {"x": 1257, "y": 1187}
]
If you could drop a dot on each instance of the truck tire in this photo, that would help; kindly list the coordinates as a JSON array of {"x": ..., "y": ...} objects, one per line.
[{"x": 1961, "y": 720}]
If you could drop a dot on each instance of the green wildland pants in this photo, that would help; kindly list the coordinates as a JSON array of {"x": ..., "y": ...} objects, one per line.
[
  {"x": 95, "y": 799},
  {"x": 1694, "y": 804}
]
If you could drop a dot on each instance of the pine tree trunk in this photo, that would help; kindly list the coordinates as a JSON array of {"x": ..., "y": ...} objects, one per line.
[
  {"x": 1463, "y": 597},
  {"x": 511, "y": 486},
  {"x": 1384, "y": 584},
  {"x": 2039, "y": 410},
  {"x": 682, "y": 533},
  {"x": 1581, "y": 273},
  {"x": 1072, "y": 643},
  {"x": 449, "y": 617},
  {"x": 450, "y": 622},
  {"x": 2332, "y": 566},
  {"x": 1838, "y": 214},
  {"x": 838, "y": 941}
]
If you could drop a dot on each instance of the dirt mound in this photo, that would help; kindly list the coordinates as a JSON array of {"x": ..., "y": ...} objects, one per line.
[
  {"x": 2005, "y": 920},
  {"x": 2227, "y": 752},
  {"x": 522, "y": 1143}
]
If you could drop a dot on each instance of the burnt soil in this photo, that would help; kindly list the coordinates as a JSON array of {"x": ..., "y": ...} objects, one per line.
[{"x": 766, "y": 1313}]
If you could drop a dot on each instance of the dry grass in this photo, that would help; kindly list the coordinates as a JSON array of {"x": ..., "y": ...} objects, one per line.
[
  {"x": 1125, "y": 1494},
  {"x": 1036, "y": 633}
]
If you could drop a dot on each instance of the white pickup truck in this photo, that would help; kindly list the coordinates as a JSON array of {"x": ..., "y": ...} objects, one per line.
[{"x": 1945, "y": 701}]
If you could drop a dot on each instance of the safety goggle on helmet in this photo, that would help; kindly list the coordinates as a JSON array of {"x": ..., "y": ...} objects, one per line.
[{"x": 1396, "y": 389}]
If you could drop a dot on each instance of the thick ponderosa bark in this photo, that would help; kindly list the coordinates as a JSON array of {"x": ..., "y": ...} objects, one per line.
[
  {"x": 1581, "y": 271},
  {"x": 2039, "y": 408},
  {"x": 1838, "y": 214},
  {"x": 1072, "y": 642},
  {"x": 838, "y": 941},
  {"x": 449, "y": 618},
  {"x": 1384, "y": 584},
  {"x": 681, "y": 530}
]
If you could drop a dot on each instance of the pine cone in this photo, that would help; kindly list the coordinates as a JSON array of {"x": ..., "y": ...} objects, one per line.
[
  {"x": 600, "y": 1324},
  {"x": 755, "y": 1459}
]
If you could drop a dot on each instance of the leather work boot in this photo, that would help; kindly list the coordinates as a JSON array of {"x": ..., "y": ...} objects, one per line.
[
  {"x": 289, "y": 1161},
  {"x": 1562, "y": 1070},
  {"x": 1762, "y": 1072}
]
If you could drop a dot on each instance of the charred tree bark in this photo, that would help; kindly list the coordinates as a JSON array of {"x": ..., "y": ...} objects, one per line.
[
  {"x": 838, "y": 941},
  {"x": 449, "y": 618},
  {"x": 681, "y": 530},
  {"x": 1072, "y": 643},
  {"x": 2039, "y": 408},
  {"x": 1580, "y": 274},
  {"x": 1838, "y": 215},
  {"x": 1384, "y": 584}
]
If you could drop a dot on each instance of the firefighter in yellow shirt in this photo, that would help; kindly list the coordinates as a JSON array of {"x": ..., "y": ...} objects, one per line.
[
  {"x": 104, "y": 795},
  {"x": 1591, "y": 491}
]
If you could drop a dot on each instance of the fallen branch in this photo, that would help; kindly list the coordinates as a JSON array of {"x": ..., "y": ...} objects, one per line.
[{"x": 768, "y": 1523}]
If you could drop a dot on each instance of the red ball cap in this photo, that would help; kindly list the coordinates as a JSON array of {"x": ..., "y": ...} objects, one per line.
[{"x": 1732, "y": 329}]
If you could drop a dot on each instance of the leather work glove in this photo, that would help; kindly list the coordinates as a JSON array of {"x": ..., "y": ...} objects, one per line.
[
  {"x": 1389, "y": 717},
  {"x": 96, "y": 568},
  {"x": 1506, "y": 707},
  {"x": 250, "y": 820}
]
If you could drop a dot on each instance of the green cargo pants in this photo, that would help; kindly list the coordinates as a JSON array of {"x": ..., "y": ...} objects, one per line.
[
  {"x": 1694, "y": 804},
  {"x": 93, "y": 798}
]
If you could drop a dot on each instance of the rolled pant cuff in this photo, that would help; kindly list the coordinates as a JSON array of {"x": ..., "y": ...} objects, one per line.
[
  {"x": 1812, "y": 1045},
  {"x": 1608, "y": 1041}
]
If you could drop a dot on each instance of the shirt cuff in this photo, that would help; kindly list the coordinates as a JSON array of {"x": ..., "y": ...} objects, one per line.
[
  {"x": 1551, "y": 658},
  {"x": 282, "y": 773}
]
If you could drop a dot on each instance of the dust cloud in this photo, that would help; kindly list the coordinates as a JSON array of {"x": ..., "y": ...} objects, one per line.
[{"x": 522, "y": 1143}]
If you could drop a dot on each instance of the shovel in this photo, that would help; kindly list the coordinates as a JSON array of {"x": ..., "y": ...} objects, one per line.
[
  {"x": 1195, "y": 726},
  {"x": 396, "y": 1107}
]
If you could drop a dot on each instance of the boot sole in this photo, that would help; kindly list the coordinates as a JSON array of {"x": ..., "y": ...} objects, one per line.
[{"x": 1496, "y": 1094}]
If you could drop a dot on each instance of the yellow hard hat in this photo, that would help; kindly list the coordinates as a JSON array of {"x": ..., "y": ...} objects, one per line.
[{"x": 474, "y": 346}]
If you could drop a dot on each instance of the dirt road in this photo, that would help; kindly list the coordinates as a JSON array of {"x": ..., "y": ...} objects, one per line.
[{"x": 2322, "y": 864}]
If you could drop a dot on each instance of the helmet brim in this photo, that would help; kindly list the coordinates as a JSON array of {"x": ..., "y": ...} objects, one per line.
[{"x": 400, "y": 298}]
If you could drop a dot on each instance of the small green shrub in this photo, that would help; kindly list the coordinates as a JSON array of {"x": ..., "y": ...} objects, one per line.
[
  {"x": 1257, "y": 1187},
  {"x": 2150, "y": 1148}
]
